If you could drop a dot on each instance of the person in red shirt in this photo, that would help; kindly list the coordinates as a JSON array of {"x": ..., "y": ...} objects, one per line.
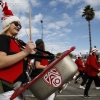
[
  {"x": 93, "y": 69},
  {"x": 80, "y": 65},
  {"x": 40, "y": 64},
  {"x": 12, "y": 56},
  {"x": 85, "y": 78}
]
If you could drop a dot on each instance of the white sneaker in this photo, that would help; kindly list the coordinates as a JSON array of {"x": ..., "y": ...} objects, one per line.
[
  {"x": 97, "y": 88},
  {"x": 82, "y": 87},
  {"x": 63, "y": 87}
]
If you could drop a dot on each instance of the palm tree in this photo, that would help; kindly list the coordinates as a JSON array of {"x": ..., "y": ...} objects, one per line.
[{"x": 89, "y": 14}]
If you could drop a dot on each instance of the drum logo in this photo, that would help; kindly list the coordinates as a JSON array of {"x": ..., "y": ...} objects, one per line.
[{"x": 53, "y": 78}]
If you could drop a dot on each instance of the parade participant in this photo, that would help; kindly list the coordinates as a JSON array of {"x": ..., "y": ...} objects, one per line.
[
  {"x": 97, "y": 56},
  {"x": 92, "y": 72},
  {"x": 12, "y": 73},
  {"x": 39, "y": 63},
  {"x": 80, "y": 65},
  {"x": 85, "y": 78}
]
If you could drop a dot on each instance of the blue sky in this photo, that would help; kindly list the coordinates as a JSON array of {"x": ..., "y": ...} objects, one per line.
[{"x": 63, "y": 24}]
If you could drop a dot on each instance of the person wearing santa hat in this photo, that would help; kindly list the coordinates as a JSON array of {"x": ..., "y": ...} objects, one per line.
[
  {"x": 12, "y": 73},
  {"x": 93, "y": 69}
]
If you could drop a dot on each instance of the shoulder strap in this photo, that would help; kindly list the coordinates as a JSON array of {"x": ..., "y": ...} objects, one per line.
[
  {"x": 6, "y": 83},
  {"x": 1, "y": 87},
  {"x": 32, "y": 56}
]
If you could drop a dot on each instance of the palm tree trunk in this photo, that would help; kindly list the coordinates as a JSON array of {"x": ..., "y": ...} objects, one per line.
[{"x": 90, "y": 36}]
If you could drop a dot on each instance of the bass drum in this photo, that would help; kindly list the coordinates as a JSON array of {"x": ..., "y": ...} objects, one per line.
[{"x": 52, "y": 78}]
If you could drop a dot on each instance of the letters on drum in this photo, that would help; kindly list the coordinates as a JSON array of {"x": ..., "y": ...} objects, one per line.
[{"x": 53, "y": 78}]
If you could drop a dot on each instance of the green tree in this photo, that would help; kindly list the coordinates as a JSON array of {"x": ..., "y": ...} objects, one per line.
[
  {"x": 71, "y": 55},
  {"x": 59, "y": 54},
  {"x": 89, "y": 14}
]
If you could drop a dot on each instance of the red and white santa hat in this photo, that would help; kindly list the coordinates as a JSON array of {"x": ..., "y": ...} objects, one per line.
[
  {"x": 94, "y": 49},
  {"x": 79, "y": 55},
  {"x": 7, "y": 15}
]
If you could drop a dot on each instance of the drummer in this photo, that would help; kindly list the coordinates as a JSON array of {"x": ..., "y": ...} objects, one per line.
[
  {"x": 40, "y": 64},
  {"x": 80, "y": 64},
  {"x": 11, "y": 56}
]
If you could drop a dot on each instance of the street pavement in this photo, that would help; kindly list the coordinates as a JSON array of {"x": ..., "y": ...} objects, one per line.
[{"x": 72, "y": 92}]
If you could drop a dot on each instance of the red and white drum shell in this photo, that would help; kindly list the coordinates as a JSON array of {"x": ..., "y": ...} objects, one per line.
[{"x": 54, "y": 78}]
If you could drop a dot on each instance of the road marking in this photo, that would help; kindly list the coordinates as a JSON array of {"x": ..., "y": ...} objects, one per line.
[
  {"x": 68, "y": 95},
  {"x": 72, "y": 95}
]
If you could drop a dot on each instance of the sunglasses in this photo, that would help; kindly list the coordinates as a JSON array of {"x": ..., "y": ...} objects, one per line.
[{"x": 17, "y": 24}]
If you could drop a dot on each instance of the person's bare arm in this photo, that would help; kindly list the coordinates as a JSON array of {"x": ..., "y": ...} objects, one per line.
[{"x": 8, "y": 60}]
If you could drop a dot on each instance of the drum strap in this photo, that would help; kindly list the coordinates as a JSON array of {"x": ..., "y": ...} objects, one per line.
[
  {"x": 1, "y": 87},
  {"x": 6, "y": 83}
]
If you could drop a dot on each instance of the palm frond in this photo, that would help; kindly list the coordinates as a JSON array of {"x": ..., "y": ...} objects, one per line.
[{"x": 88, "y": 13}]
